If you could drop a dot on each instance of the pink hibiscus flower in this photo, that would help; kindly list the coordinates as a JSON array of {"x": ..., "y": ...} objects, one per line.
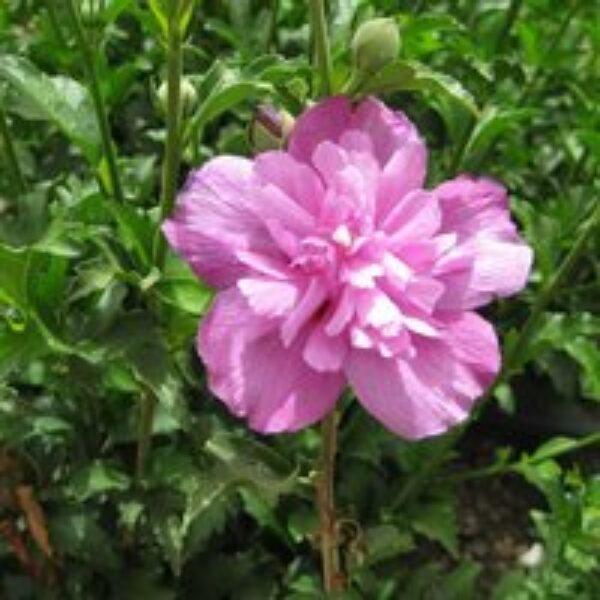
[{"x": 334, "y": 266}]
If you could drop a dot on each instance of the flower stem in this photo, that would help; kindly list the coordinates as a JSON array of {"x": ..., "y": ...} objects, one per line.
[
  {"x": 172, "y": 158},
  {"x": 333, "y": 578},
  {"x": 513, "y": 357},
  {"x": 89, "y": 61},
  {"x": 11, "y": 156},
  {"x": 320, "y": 40}
]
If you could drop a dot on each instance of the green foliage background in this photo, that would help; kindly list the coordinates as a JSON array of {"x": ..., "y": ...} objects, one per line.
[{"x": 91, "y": 330}]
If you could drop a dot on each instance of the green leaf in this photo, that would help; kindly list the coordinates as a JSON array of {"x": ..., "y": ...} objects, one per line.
[
  {"x": 14, "y": 268},
  {"x": 110, "y": 11},
  {"x": 576, "y": 335},
  {"x": 249, "y": 462},
  {"x": 437, "y": 521},
  {"x": 160, "y": 10},
  {"x": 492, "y": 123},
  {"x": 136, "y": 230},
  {"x": 546, "y": 476},
  {"x": 587, "y": 354},
  {"x": 77, "y": 533},
  {"x": 186, "y": 9},
  {"x": 229, "y": 90},
  {"x": 460, "y": 583},
  {"x": 404, "y": 75},
  {"x": 206, "y": 504},
  {"x": 141, "y": 584},
  {"x": 59, "y": 100},
  {"x": 19, "y": 347},
  {"x": 555, "y": 446},
  {"x": 97, "y": 478},
  {"x": 386, "y": 541},
  {"x": 180, "y": 287}
]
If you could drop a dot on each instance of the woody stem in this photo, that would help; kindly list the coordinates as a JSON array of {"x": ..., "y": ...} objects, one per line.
[{"x": 333, "y": 580}]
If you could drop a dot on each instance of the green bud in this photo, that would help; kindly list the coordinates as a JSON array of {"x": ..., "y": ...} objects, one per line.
[
  {"x": 375, "y": 44},
  {"x": 189, "y": 97},
  {"x": 269, "y": 128}
]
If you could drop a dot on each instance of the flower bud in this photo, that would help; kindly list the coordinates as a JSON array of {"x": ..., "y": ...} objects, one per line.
[
  {"x": 270, "y": 128},
  {"x": 375, "y": 44},
  {"x": 189, "y": 97}
]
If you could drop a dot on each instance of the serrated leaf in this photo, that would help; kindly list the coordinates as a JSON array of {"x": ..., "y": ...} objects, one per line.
[
  {"x": 250, "y": 463},
  {"x": 76, "y": 532},
  {"x": 97, "y": 478},
  {"x": 437, "y": 521},
  {"x": 59, "y": 100},
  {"x": 386, "y": 541}
]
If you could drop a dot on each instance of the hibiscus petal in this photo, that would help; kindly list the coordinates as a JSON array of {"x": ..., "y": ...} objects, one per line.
[
  {"x": 389, "y": 130},
  {"x": 213, "y": 221},
  {"x": 500, "y": 269},
  {"x": 225, "y": 333},
  {"x": 472, "y": 205},
  {"x": 297, "y": 180},
  {"x": 482, "y": 269},
  {"x": 327, "y": 120},
  {"x": 415, "y": 217},
  {"x": 412, "y": 401},
  {"x": 476, "y": 210},
  {"x": 269, "y": 298},
  {"x": 283, "y": 392},
  {"x": 309, "y": 303},
  {"x": 396, "y": 397},
  {"x": 324, "y": 352},
  {"x": 473, "y": 341},
  {"x": 403, "y": 173},
  {"x": 342, "y": 313},
  {"x": 255, "y": 376}
]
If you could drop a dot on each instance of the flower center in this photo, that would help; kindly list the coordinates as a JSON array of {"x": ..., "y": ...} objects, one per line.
[
  {"x": 324, "y": 255},
  {"x": 316, "y": 256}
]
